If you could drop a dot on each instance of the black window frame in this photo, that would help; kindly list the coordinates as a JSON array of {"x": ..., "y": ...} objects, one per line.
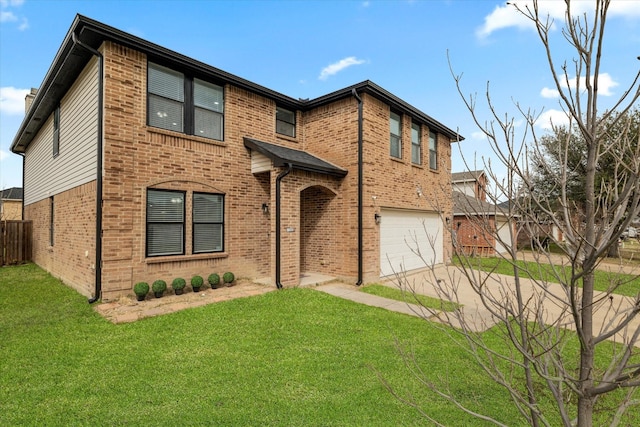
[
  {"x": 416, "y": 146},
  {"x": 433, "y": 152},
  {"x": 188, "y": 104},
  {"x": 398, "y": 136},
  {"x": 280, "y": 119},
  {"x": 148, "y": 223},
  {"x": 193, "y": 223},
  {"x": 56, "y": 132}
]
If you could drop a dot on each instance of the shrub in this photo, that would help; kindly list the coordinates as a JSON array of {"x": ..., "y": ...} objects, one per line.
[
  {"x": 228, "y": 277},
  {"x": 178, "y": 284},
  {"x": 197, "y": 281},
  {"x": 159, "y": 286},
  {"x": 214, "y": 280},
  {"x": 141, "y": 288}
]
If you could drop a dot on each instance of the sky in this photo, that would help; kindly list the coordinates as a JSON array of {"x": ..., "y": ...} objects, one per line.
[{"x": 306, "y": 49}]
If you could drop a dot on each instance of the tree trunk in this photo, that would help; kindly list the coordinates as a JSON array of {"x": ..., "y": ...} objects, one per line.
[
  {"x": 585, "y": 399},
  {"x": 614, "y": 251}
]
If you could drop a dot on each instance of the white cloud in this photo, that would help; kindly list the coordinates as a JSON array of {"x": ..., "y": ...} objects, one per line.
[
  {"x": 7, "y": 16},
  {"x": 605, "y": 86},
  {"x": 3, "y": 155},
  {"x": 12, "y": 100},
  {"x": 15, "y": 3},
  {"x": 507, "y": 15},
  {"x": 336, "y": 67},
  {"x": 478, "y": 136},
  {"x": 551, "y": 118},
  {"x": 549, "y": 93}
]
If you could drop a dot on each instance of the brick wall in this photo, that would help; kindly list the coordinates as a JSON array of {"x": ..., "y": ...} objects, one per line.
[
  {"x": 72, "y": 256},
  {"x": 474, "y": 235}
]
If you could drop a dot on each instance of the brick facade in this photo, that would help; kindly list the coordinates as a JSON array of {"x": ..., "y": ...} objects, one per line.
[{"x": 319, "y": 221}]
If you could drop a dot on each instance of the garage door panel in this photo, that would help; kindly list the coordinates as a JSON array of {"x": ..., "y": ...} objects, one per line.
[{"x": 409, "y": 240}]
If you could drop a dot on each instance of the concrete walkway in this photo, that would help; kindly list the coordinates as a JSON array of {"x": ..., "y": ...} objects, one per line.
[{"x": 608, "y": 312}]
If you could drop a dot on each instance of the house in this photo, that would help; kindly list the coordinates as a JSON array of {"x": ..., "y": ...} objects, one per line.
[
  {"x": 11, "y": 204},
  {"x": 480, "y": 228},
  {"x": 141, "y": 164}
]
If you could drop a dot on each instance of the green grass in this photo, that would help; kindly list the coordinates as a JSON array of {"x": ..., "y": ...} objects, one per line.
[
  {"x": 409, "y": 297},
  {"x": 625, "y": 284},
  {"x": 295, "y": 357}
]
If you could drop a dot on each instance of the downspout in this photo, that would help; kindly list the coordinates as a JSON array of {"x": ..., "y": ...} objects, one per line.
[
  {"x": 98, "y": 260},
  {"x": 279, "y": 178},
  {"x": 22, "y": 155},
  {"x": 360, "y": 188}
]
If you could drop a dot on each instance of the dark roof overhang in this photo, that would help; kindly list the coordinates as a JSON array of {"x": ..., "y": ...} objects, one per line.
[
  {"x": 71, "y": 59},
  {"x": 281, "y": 156}
]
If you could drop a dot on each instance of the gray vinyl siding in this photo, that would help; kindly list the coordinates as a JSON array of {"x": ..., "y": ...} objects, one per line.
[{"x": 44, "y": 175}]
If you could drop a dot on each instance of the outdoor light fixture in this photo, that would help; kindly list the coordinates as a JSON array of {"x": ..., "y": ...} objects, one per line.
[
  {"x": 448, "y": 220},
  {"x": 265, "y": 208},
  {"x": 377, "y": 217}
]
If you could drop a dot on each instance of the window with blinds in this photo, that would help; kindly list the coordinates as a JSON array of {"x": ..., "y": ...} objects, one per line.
[
  {"x": 395, "y": 140},
  {"x": 433, "y": 150},
  {"x": 285, "y": 122},
  {"x": 208, "y": 222},
  {"x": 166, "y": 98},
  {"x": 56, "y": 131},
  {"x": 208, "y": 109},
  {"x": 184, "y": 104},
  {"x": 165, "y": 222},
  {"x": 416, "y": 144}
]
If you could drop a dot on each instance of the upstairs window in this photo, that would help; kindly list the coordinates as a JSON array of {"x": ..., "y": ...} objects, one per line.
[
  {"x": 184, "y": 104},
  {"x": 395, "y": 140},
  {"x": 165, "y": 222},
  {"x": 416, "y": 144},
  {"x": 285, "y": 122},
  {"x": 208, "y": 104},
  {"x": 56, "y": 131},
  {"x": 166, "y": 98},
  {"x": 433, "y": 150}
]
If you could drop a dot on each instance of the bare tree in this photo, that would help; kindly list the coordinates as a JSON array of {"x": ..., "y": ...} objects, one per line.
[{"x": 539, "y": 318}]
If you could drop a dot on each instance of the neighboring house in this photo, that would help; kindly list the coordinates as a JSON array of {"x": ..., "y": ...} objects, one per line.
[
  {"x": 479, "y": 228},
  {"x": 141, "y": 163},
  {"x": 11, "y": 204}
]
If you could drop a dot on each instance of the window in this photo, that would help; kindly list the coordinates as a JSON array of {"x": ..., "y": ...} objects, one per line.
[
  {"x": 285, "y": 122},
  {"x": 395, "y": 140},
  {"x": 416, "y": 145},
  {"x": 56, "y": 131},
  {"x": 183, "y": 104},
  {"x": 208, "y": 222},
  {"x": 165, "y": 222},
  {"x": 208, "y": 105},
  {"x": 51, "y": 222},
  {"x": 433, "y": 150}
]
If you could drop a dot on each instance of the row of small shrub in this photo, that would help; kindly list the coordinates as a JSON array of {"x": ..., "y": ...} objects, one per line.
[{"x": 141, "y": 289}]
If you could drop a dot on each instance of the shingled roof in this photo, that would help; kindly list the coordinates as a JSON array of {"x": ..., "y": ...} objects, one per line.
[
  {"x": 13, "y": 193},
  {"x": 298, "y": 159}
]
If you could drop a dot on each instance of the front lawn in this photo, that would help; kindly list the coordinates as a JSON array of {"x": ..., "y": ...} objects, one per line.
[
  {"x": 295, "y": 357},
  {"x": 409, "y": 297},
  {"x": 627, "y": 284}
]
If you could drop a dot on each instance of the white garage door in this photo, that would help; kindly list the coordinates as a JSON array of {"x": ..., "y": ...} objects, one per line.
[
  {"x": 406, "y": 234},
  {"x": 504, "y": 234}
]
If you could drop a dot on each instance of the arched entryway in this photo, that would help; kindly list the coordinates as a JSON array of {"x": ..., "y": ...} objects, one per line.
[{"x": 320, "y": 229}]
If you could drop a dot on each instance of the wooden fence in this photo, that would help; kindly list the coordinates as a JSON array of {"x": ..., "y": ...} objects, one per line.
[{"x": 15, "y": 242}]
